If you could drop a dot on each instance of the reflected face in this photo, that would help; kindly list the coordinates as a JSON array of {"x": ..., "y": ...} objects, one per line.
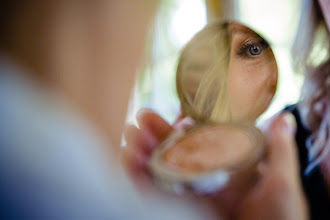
[
  {"x": 252, "y": 78},
  {"x": 227, "y": 72}
]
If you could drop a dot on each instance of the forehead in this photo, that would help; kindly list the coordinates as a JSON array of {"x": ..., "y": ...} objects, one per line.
[{"x": 235, "y": 28}]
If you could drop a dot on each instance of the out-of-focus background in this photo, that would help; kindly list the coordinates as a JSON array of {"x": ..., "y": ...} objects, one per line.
[{"x": 176, "y": 23}]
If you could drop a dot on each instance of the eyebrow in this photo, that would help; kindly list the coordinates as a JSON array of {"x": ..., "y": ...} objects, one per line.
[{"x": 232, "y": 28}]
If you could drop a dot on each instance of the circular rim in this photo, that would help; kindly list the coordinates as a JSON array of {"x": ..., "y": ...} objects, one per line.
[
  {"x": 174, "y": 177},
  {"x": 186, "y": 108}
]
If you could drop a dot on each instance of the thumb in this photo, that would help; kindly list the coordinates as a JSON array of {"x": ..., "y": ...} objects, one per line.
[
  {"x": 153, "y": 124},
  {"x": 282, "y": 157}
]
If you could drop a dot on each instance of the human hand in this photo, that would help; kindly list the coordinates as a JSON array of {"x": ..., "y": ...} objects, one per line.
[
  {"x": 277, "y": 193},
  {"x": 140, "y": 143}
]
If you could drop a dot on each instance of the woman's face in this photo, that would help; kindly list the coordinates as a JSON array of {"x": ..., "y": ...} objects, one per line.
[
  {"x": 244, "y": 65},
  {"x": 252, "y": 77}
]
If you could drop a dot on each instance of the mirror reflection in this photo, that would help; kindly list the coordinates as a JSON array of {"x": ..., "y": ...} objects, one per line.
[{"x": 227, "y": 72}]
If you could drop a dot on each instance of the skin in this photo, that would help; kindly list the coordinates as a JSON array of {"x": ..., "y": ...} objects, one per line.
[
  {"x": 252, "y": 79},
  {"x": 277, "y": 190},
  {"x": 89, "y": 53}
]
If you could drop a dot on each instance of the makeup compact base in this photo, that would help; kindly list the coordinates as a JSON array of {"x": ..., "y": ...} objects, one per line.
[{"x": 205, "y": 159}]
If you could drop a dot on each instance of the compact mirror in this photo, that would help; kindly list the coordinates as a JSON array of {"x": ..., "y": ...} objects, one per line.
[
  {"x": 227, "y": 72},
  {"x": 226, "y": 78}
]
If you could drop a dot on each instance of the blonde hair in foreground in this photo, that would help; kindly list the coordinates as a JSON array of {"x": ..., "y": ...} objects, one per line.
[{"x": 209, "y": 99}]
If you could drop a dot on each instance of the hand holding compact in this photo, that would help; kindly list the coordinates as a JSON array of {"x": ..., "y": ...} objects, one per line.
[{"x": 275, "y": 194}]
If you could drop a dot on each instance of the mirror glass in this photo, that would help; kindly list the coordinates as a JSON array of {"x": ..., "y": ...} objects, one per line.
[{"x": 227, "y": 72}]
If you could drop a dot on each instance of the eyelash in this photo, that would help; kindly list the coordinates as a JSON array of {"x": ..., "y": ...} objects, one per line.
[{"x": 243, "y": 49}]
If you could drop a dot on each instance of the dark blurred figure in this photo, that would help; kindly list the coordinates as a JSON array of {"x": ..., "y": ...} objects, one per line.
[{"x": 311, "y": 55}]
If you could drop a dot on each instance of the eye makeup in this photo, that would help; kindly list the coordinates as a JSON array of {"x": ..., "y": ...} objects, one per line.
[{"x": 252, "y": 48}]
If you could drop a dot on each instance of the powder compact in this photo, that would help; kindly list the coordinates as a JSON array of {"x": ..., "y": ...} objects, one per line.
[{"x": 226, "y": 78}]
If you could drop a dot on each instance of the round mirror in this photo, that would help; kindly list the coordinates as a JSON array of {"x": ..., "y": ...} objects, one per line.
[{"x": 227, "y": 72}]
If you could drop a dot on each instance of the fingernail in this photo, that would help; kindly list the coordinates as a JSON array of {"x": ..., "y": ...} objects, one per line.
[
  {"x": 184, "y": 123},
  {"x": 289, "y": 125}
]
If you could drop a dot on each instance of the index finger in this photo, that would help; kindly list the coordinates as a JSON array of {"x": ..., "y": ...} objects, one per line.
[{"x": 282, "y": 155}]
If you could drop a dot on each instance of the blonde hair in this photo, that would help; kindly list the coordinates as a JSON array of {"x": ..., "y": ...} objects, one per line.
[
  {"x": 211, "y": 101},
  {"x": 311, "y": 53}
]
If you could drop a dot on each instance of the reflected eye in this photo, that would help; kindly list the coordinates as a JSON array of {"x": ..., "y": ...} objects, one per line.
[
  {"x": 255, "y": 50},
  {"x": 252, "y": 49}
]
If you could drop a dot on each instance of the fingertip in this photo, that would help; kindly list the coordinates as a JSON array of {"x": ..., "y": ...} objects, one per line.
[
  {"x": 288, "y": 124},
  {"x": 152, "y": 123},
  {"x": 184, "y": 123},
  {"x": 281, "y": 143},
  {"x": 283, "y": 126},
  {"x": 142, "y": 114}
]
